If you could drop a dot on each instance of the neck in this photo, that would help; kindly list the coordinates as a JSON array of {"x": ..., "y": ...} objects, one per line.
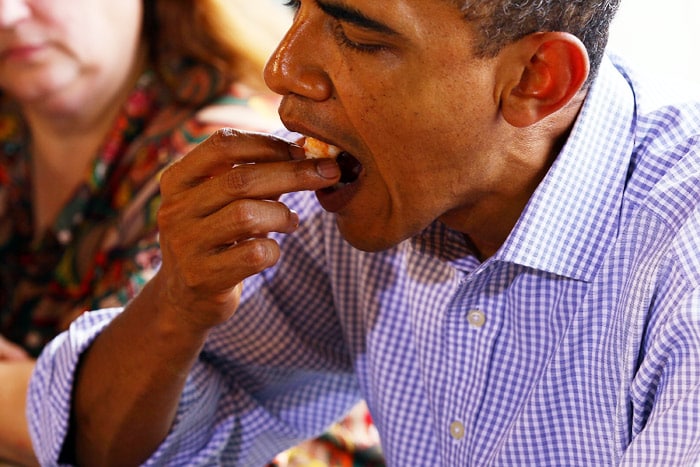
[
  {"x": 489, "y": 220},
  {"x": 65, "y": 140}
]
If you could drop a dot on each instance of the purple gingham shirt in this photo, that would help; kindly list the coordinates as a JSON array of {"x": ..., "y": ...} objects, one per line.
[{"x": 578, "y": 343}]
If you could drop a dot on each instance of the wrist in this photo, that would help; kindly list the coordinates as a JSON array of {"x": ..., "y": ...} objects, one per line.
[{"x": 170, "y": 324}]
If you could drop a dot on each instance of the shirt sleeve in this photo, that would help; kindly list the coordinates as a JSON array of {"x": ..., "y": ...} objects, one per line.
[
  {"x": 665, "y": 393},
  {"x": 50, "y": 389}
]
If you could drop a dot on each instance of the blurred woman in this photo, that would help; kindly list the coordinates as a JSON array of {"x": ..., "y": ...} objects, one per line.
[{"x": 96, "y": 98}]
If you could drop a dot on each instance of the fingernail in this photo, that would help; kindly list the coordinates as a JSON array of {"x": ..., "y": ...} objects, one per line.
[
  {"x": 328, "y": 168},
  {"x": 294, "y": 218}
]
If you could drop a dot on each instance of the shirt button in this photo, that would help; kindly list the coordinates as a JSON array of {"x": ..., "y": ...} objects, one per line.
[
  {"x": 457, "y": 430},
  {"x": 476, "y": 318}
]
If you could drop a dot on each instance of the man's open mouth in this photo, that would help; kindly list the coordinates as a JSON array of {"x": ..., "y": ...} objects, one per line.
[{"x": 350, "y": 167}]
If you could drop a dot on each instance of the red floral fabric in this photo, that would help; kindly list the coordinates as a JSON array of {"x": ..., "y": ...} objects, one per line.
[{"x": 103, "y": 246}]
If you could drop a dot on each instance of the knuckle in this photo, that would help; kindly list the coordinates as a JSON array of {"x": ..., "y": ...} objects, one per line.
[
  {"x": 194, "y": 272},
  {"x": 244, "y": 216},
  {"x": 260, "y": 253},
  {"x": 238, "y": 180},
  {"x": 224, "y": 136},
  {"x": 191, "y": 279},
  {"x": 164, "y": 214},
  {"x": 227, "y": 138}
]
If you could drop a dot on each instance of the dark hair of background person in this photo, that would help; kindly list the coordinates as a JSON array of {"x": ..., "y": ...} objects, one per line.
[{"x": 209, "y": 32}]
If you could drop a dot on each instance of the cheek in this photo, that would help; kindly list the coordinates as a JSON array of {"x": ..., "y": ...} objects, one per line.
[
  {"x": 384, "y": 117},
  {"x": 416, "y": 112},
  {"x": 410, "y": 130},
  {"x": 416, "y": 125}
]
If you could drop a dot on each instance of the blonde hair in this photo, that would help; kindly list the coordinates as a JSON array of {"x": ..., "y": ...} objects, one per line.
[{"x": 233, "y": 38}]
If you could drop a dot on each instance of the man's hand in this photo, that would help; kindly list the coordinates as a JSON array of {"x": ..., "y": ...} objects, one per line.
[{"x": 219, "y": 203}]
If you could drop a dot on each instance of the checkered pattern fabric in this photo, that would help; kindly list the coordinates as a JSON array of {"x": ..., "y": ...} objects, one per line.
[{"x": 578, "y": 343}]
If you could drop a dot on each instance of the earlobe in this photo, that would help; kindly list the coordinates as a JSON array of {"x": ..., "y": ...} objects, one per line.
[{"x": 553, "y": 68}]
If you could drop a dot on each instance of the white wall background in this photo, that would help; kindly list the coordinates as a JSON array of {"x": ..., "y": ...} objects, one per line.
[{"x": 660, "y": 36}]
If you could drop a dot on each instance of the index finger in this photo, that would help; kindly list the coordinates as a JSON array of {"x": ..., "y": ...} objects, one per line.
[{"x": 224, "y": 149}]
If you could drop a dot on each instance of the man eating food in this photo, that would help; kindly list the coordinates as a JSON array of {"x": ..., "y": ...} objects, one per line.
[{"x": 510, "y": 276}]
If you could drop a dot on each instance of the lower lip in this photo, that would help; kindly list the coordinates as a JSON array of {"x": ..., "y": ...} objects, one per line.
[
  {"x": 335, "y": 200},
  {"x": 21, "y": 53}
]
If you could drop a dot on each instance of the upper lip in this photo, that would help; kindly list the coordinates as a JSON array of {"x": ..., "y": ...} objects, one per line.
[{"x": 292, "y": 113}]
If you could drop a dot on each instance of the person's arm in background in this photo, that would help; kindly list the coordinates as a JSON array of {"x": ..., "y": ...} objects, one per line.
[{"x": 15, "y": 370}]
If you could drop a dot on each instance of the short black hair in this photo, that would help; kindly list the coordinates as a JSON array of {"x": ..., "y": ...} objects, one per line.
[{"x": 501, "y": 22}]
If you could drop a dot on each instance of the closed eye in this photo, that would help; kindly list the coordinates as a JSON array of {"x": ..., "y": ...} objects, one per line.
[{"x": 358, "y": 46}]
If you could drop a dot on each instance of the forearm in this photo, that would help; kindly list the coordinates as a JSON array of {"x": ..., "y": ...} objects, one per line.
[
  {"x": 15, "y": 444},
  {"x": 129, "y": 383}
]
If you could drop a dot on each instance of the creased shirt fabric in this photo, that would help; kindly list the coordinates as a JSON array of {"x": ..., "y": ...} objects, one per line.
[{"x": 577, "y": 343}]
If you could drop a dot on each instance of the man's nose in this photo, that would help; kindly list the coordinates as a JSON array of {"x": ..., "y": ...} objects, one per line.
[{"x": 297, "y": 65}]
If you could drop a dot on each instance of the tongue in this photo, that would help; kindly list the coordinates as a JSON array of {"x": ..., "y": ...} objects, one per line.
[{"x": 350, "y": 167}]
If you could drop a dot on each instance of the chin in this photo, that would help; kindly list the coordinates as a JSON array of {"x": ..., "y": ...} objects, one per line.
[{"x": 365, "y": 238}]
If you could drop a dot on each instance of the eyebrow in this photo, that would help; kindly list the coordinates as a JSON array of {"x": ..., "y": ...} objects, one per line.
[{"x": 354, "y": 16}]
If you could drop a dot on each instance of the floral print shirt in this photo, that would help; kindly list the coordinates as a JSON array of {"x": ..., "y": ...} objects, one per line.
[{"x": 103, "y": 245}]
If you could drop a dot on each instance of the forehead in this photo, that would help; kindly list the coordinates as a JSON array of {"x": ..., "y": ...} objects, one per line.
[{"x": 404, "y": 16}]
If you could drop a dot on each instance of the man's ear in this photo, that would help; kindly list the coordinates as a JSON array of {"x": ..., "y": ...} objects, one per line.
[{"x": 551, "y": 68}]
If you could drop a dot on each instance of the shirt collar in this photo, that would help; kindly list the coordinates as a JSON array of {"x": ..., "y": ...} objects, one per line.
[{"x": 574, "y": 214}]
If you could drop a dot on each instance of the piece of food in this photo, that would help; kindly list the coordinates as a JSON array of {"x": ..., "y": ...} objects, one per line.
[
  {"x": 316, "y": 149},
  {"x": 350, "y": 167}
]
